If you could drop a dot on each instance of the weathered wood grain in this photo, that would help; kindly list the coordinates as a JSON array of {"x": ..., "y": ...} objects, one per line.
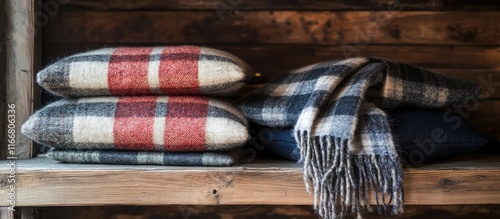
[
  {"x": 280, "y": 5},
  {"x": 484, "y": 116},
  {"x": 19, "y": 213},
  {"x": 36, "y": 91},
  {"x": 264, "y": 182},
  {"x": 28, "y": 213},
  {"x": 20, "y": 62},
  {"x": 261, "y": 212},
  {"x": 275, "y": 59},
  {"x": 276, "y": 27},
  {"x": 3, "y": 124},
  {"x": 6, "y": 213}
]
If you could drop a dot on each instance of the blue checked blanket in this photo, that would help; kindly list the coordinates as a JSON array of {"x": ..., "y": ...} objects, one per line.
[
  {"x": 145, "y": 157},
  {"x": 344, "y": 136}
]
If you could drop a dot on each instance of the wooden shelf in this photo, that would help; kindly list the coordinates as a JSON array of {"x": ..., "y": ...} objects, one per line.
[{"x": 44, "y": 182}]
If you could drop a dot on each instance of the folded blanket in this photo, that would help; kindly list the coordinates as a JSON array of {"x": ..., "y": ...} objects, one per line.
[
  {"x": 344, "y": 135},
  {"x": 144, "y": 157},
  {"x": 146, "y": 123},
  {"x": 146, "y": 70}
]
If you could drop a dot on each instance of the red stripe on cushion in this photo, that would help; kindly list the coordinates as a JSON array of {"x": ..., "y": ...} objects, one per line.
[
  {"x": 128, "y": 71},
  {"x": 134, "y": 123},
  {"x": 185, "y": 123},
  {"x": 178, "y": 71}
]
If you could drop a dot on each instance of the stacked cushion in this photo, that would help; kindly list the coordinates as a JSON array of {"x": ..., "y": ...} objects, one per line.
[
  {"x": 143, "y": 105},
  {"x": 129, "y": 71},
  {"x": 148, "y": 123}
]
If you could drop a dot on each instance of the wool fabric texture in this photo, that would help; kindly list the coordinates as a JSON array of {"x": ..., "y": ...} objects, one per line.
[
  {"x": 432, "y": 135},
  {"x": 140, "y": 123},
  {"x": 421, "y": 134},
  {"x": 143, "y": 157},
  {"x": 345, "y": 138},
  {"x": 179, "y": 70}
]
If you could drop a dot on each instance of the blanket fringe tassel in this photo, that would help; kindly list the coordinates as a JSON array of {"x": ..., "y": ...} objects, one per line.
[{"x": 341, "y": 182}]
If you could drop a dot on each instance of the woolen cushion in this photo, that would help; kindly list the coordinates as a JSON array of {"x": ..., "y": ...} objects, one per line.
[
  {"x": 426, "y": 135},
  {"x": 144, "y": 71},
  {"x": 144, "y": 157},
  {"x": 147, "y": 123},
  {"x": 422, "y": 135}
]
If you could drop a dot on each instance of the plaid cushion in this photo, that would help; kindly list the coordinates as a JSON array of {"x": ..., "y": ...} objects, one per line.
[
  {"x": 146, "y": 70},
  {"x": 147, "y": 123},
  {"x": 144, "y": 157}
]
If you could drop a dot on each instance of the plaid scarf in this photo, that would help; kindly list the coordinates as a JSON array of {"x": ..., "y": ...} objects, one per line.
[
  {"x": 343, "y": 134},
  {"x": 144, "y": 157}
]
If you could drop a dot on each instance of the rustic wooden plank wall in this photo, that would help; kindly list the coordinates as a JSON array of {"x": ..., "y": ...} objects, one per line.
[
  {"x": 420, "y": 5},
  {"x": 456, "y": 37},
  {"x": 276, "y": 27}
]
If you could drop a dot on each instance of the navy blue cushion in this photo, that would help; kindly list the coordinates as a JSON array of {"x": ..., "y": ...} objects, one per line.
[{"x": 421, "y": 135}]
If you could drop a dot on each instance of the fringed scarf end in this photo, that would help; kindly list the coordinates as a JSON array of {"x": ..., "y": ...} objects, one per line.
[{"x": 341, "y": 182}]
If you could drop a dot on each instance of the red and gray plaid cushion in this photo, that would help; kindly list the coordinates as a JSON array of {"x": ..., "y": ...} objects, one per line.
[
  {"x": 144, "y": 157},
  {"x": 180, "y": 70},
  {"x": 146, "y": 123}
]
